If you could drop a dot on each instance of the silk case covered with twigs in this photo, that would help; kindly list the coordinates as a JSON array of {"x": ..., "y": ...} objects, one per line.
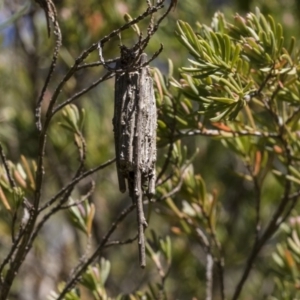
[{"x": 135, "y": 128}]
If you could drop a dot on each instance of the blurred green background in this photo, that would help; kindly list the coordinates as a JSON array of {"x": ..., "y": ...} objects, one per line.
[{"x": 25, "y": 56}]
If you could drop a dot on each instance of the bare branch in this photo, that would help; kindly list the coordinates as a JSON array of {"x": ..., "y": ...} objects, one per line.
[
  {"x": 118, "y": 242},
  {"x": 225, "y": 134},
  {"x": 6, "y": 167},
  {"x": 82, "y": 198},
  {"x": 96, "y": 64},
  {"x": 51, "y": 14},
  {"x": 75, "y": 181},
  {"x": 81, "y": 269},
  {"x": 82, "y": 92}
]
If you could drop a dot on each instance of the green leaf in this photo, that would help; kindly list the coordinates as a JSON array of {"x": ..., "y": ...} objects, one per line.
[
  {"x": 104, "y": 270},
  {"x": 221, "y": 115},
  {"x": 222, "y": 99},
  {"x": 227, "y": 47},
  {"x": 293, "y": 246},
  {"x": 278, "y": 260}
]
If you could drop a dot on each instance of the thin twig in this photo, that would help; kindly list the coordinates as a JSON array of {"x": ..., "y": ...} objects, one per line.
[
  {"x": 6, "y": 167},
  {"x": 83, "y": 91},
  {"x": 51, "y": 14},
  {"x": 225, "y": 134},
  {"x": 118, "y": 242},
  {"x": 96, "y": 253},
  {"x": 172, "y": 192},
  {"x": 96, "y": 64},
  {"x": 82, "y": 198},
  {"x": 264, "y": 83},
  {"x": 75, "y": 181}
]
